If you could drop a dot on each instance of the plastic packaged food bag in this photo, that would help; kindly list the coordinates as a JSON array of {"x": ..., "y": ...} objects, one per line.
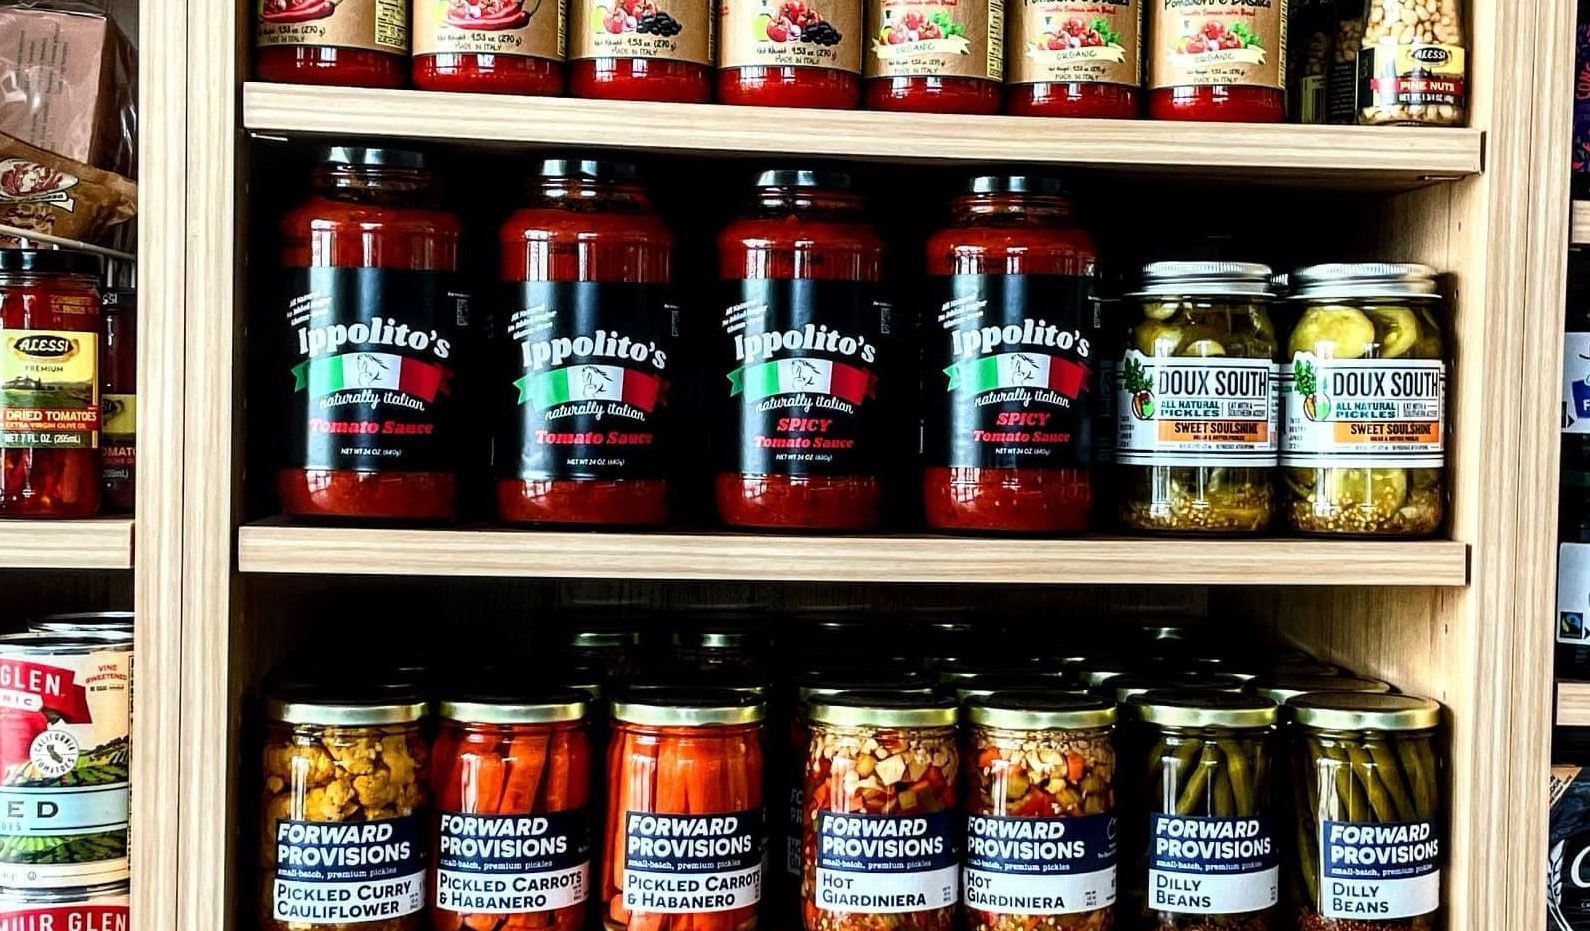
[{"x": 52, "y": 194}]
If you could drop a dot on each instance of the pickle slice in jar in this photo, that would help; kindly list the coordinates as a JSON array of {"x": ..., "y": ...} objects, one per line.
[
  {"x": 1157, "y": 339},
  {"x": 1334, "y": 331},
  {"x": 1203, "y": 348},
  {"x": 1429, "y": 344},
  {"x": 1397, "y": 329},
  {"x": 1378, "y": 491},
  {"x": 1160, "y": 310}
]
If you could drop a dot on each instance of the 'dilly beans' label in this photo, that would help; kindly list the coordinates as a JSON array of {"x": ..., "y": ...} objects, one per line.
[
  {"x": 1370, "y": 413},
  {"x": 886, "y": 864},
  {"x": 1039, "y": 866},
  {"x": 1212, "y": 866},
  {"x": 373, "y": 25},
  {"x": 1373, "y": 872},
  {"x": 334, "y": 873},
  {"x": 1196, "y": 411},
  {"x": 684, "y": 864},
  {"x": 508, "y": 864},
  {"x": 1076, "y": 41},
  {"x": 515, "y": 28}
]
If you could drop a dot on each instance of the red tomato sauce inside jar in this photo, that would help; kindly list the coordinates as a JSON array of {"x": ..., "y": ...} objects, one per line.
[
  {"x": 491, "y": 47},
  {"x": 1216, "y": 62},
  {"x": 641, "y": 50},
  {"x": 347, "y": 43},
  {"x": 805, "y": 53},
  {"x": 1074, "y": 58}
]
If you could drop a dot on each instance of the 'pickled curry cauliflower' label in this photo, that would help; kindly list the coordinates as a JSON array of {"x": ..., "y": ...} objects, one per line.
[
  {"x": 1039, "y": 866},
  {"x": 1371, "y": 413},
  {"x": 1196, "y": 411},
  {"x": 886, "y": 864},
  {"x": 1212, "y": 866},
  {"x": 685, "y": 864},
  {"x": 1374, "y": 872},
  {"x": 507, "y": 864},
  {"x": 335, "y": 873}
]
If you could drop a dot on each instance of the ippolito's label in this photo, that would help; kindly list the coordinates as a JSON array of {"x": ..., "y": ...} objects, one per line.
[
  {"x": 509, "y": 864},
  {"x": 373, "y": 25},
  {"x": 936, "y": 38},
  {"x": 1373, "y": 872},
  {"x": 673, "y": 30},
  {"x": 1196, "y": 411},
  {"x": 681, "y": 864},
  {"x": 1364, "y": 413},
  {"x": 1203, "y": 42},
  {"x": 886, "y": 864},
  {"x": 515, "y": 28},
  {"x": 791, "y": 34},
  {"x": 348, "y": 872},
  {"x": 1573, "y": 593},
  {"x": 1039, "y": 866},
  {"x": 1576, "y": 383},
  {"x": 1076, "y": 41},
  {"x": 1212, "y": 866}
]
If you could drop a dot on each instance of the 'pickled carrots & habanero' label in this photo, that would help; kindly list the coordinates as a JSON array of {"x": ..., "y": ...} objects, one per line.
[
  {"x": 1039, "y": 866},
  {"x": 515, "y": 28},
  {"x": 350, "y": 872},
  {"x": 1191, "y": 411},
  {"x": 372, "y": 25},
  {"x": 1212, "y": 866},
  {"x": 1076, "y": 41},
  {"x": 512, "y": 864},
  {"x": 1205, "y": 42},
  {"x": 1375, "y": 872},
  {"x": 51, "y": 394},
  {"x": 688, "y": 864},
  {"x": 936, "y": 38},
  {"x": 672, "y": 30},
  {"x": 1371, "y": 413},
  {"x": 886, "y": 864},
  {"x": 791, "y": 34}
]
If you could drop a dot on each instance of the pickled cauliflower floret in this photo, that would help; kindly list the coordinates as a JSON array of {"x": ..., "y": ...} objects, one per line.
[
  {"x": 327, "y": 803},
  {"x": 395, "y": 754},
  {"x": 356, "y": 756},
  {"x": 375, "y": 790}
]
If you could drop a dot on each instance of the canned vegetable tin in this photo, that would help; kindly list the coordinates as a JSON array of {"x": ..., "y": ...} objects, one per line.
[{"x": 100, "y": 907}]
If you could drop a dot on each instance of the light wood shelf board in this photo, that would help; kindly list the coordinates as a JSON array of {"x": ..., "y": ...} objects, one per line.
[
  {"x": 287, "y": 548},
  {"x": 1579, "y": 223},
  {"x": 98, "y": 543},
  {"x": 1312, "y": 155},
  {"x": 1573, "y": 704}
]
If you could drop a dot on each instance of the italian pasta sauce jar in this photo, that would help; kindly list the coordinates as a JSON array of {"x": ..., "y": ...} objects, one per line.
[
  {"x": 50, "y": 323},
  {"x": 516, "y": 767},
  {"x": 805, "y": 335},
  {"x": 118, "y": 401},
  {"x": 1364, "y": 397},
  {"x": 1075, "y": 58},
  {"x": 1011, "y": 352},
  {"x": 1367, "y": 778},
  {"x": 935, "y": 56},
  {"x": 1197, "y": 406},
  {"x": 1040, "y": 813},
  {"x": 791, "y": 53},
  {"x": 350, "y": 43},
  {"x": 372, "y": 328},
  {"x": 1217, "y": 61},
  {"x": 881, "y": 765},
  {"x": 641, "y": 49},
  {"x": 684, "y": 812},
  {"x": 585, "y": 349},
  {"x": 490, "y": 47}
]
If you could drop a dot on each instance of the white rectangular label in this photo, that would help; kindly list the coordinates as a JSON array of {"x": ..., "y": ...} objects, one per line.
[
  {"x": 687, "y": 893},
  {"x": 1213, "y": 895},
  {"x": 320, "y": 903},
  {"x": 887, "y": 893},
  {"x": 513, "y": 893},
  {"x": 1062, "y": 894},
  {"x": 1375, "y": 900}
]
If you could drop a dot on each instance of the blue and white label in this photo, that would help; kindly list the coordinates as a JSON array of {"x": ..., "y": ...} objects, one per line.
[
  {"x": 886, "y": 864},
  {"x": 1379, "y": 871},
  {"x": 511, "y": 864},
  {"x": 681, "y": 864},
  {"x": 794, "y": 826},
  {"x": 57, "y": 811},
  {"x": 1212, "y": 866},
  {"x": 348, "y": 872},
  {"x": 1039, "y": 866},
  {"x": 1576, "y": 383}
]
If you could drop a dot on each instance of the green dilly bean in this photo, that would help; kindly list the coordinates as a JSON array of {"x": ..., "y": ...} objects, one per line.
[
  {"x": 1238, "y": 773},
  {"x": 1190, "y": 801},
  {"x": 1174, "y": 777},
  {"x": 1224, "y": 804},
  {"x": 1375, "y": 791},
  {"x": 1387, "y": 769}
]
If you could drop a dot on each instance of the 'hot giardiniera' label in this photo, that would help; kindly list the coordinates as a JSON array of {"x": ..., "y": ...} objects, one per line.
[
  {"x": 508, "y": 864},
  {"x": 675, "y": 30},
  {"x": 373, "y": 352},
  {"x": 1039, "y": 866},
  {"x": 1193, "y": 411},
  {"x": 682, "y": 864},
  {"x": 1015, "y": 353},
  {"x": 1375, "y": 872},
  {"x": 50, "y": 393},
  {"x": 791, "y": 34},
  {"x": 1203, "y": 42},
  {"x": 801, "y": 360},
  {"x": 589, "y": 381},
  {"x": 1364, "y": 413},
  {"x": 1573, "y": 593},
  {"x": 936, "y": 38},
  {"x": 886, "y": 864},
  {"x": 336, "y": 873},
  {"x": 373, "y": 25},
  {"x": 515, "y": 28},
  {"x": 1212, "y": 866},
  {"x": 1076, "y": 41}
]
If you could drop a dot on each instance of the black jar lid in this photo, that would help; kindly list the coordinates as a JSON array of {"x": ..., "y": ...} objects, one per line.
[
  {"x": 373, "y": 157},
  {"x": 49, "y": 262},
  {"x": 1017, "y": 184},
  {"x": 590, "y": 169},
  {"x": 790, "y": 177}
]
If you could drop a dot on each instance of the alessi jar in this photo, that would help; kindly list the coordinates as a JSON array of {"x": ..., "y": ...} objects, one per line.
[
  {"x": 684, "y": 812},
  {"x": 641, "y": 49},
  {"x": 50, "y": 323},
  {"x": 511, "y": 779},
  {"x": 345, "y": 784},
  {"x": 1075, "y": 58},
  {"x": 805, "y": 338},
  {"x": 1364, "y": 392},
  {"x": 879, "y": 848},
  {"x": 1011, "y": 350},
  {"x": 790, "y": 53},
  {"x": 1040, "y": 813},
  {"x": 584, "y": 348},
  {"x": 1217, "y": 61},
  {"x": 352, "y": 43},
  {"x": 935, "y": 56},
  {"x": 1371, "y": 817},
  {"x": 373, "y": 327},
  {"x": 118, "y": 403},
  {"x": 1197, "y": 404},
  {"x": 490, "y": 47}
]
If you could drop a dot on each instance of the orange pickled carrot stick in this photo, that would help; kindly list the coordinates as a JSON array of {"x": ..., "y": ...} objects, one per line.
[
  {"x": 738, "y": 771},
  {"x": 617, "y": 910},
  {"x": 617, "y": 774},
  {"x": 528, "y": 753},
  {"x": 712, "y": 793},
  {"x": 450, "y": 794},
  {"x": 641, "y": 776},
  {"x": 675, "y": 769},
  {"x": 485, "y": 783},
  {"x": 481, "y": 922},
  {"x": 559, "y": 764}
]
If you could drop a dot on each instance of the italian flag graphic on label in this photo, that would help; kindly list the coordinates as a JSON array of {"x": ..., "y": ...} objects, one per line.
[
  {"x": 1017, "y": 370},
  {"x": 590, "y": 383},
  {"x": 787, "y": 376},
  {"x": 384, "y": 370}
]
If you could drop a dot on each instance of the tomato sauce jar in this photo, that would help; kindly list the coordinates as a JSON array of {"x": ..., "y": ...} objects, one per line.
[
  {"x": 372, "y": 326},
  {"x": 50, "y": 323},
  {"x": 349, "y": 43},
  {"x": 586, "y": 344},
  {"x": 1216, "y": 61},
  {"x": 641, "y": 50},
  {"x": 1011, "y": 349},
  {"x": 490, "y": 47},
  {"x": 118, "y": 400},
  {"x": 804, "y": 333},
  {"x": 935, "y": 56},
  {"x": 792, "y": 54},
  {"x": 1075, "y": 58}
]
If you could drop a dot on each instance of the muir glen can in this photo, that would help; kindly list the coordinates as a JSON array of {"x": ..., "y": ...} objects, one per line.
[{"x": 101, "y": 907}]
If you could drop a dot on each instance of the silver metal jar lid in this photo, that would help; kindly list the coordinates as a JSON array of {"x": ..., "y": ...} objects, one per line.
[
  {"x": 1205, "y": 279},
  {"x": 1334, "y": 281}
]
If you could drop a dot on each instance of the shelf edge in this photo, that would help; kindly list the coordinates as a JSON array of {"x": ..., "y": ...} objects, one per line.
[{"x": 95, "y": 543}]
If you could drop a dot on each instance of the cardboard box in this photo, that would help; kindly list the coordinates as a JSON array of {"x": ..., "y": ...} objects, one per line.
[{"x": 65, "y": 84}]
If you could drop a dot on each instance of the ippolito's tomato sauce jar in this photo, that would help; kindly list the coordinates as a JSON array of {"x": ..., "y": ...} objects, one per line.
[
  {"x": 1075, "y": 58},
  {"x": 641, "y": 49},
  {"x": 373, "y": 324},
  {"x": 804, "y": 335},
  {"x": 1217, "y": 61},
  {"x": 935, "y": 56},
  {"x": 790, "y": 53},
  {"x": 1010, "y": 351},
  {"x": 584, "y": 350},
  {"x": 351, "y": 43},
  {"x": 489, "y": 47}
]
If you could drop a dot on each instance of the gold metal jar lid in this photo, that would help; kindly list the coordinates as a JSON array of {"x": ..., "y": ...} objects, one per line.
[
  {"x": 951, "y": 674},
  {"x": 1306, "y": 667},
  {"x": 667, "y": 707},
  {"x": 882, "y": 709},
  {"x": 1334, "y": 281},
  {"x": 331, "y": 707},
  {"x": 1283, "y": 688},
  {"x": 535, "y": 708},
  {"x": 1170, "y": 280},
  {"x": 1132, "y": 684},
  {"x": 990, "y": 683},
  {"x": 713, "y": 637},
  {"x": 1358, "y": 711},
  {"x": 821, "y": 685},
  {"x": 1033, "y": 711},
  {"x": 1096, "y": 671},
  {"x": 688, "y": 680},
  {"x": 1204, "y": 708}
]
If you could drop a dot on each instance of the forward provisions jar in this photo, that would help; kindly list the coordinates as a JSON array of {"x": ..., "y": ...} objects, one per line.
[
  {"x": 1197, "y": 400},
  {"x": 344, "y": 809},
  {"x": 1040, "y": 813},
  {"x": 1364, "y": 393},
  {"x": 1371, "y": 818}
]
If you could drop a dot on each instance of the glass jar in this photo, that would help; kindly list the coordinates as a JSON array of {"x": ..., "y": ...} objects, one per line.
[
  {"x": 881, "y": 755},
  {"x": 491, "y": 47},
  {"x": 1367, "y": 779},
  {"x": 1212, "y": 845},
  {"x": 118, "y": 401},
  {"x": 613, "y": 649},
  {"x": 1009, "y": 435},
  {"x": 344, "y": 773},
  {"x": 1125, "y": 687},
  {"x": 637, "y": 50},
  {"x": 935, "y": 56},
  {"x": 803, "y": 423},
  {"x": 50, "y": 325},
  {"x": 372, "y": 331},
  {"x": 585, "y": 345},
  {"x": 1413, "y": 65},
  {"x": 1075, "y": 58},
  {"x": 1198, "y": 400},
  {"x": 1310, "y": 33},
  {"x": 348, "y": 43},
  {"x": 1217, "y": 62},
  {"x": 1365, "y": 401},
  {"x": 512, "y": 766},
  {"x": 684, "y": 764},
  {"x": 1282, "y": 688},
  {"x": 721, "y": 647},
  {"x": 1048, "y": 760},
  {"x": 790, "y": 53}
]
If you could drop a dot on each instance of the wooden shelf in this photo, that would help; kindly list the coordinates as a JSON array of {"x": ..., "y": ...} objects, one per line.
[
  {"x": 287, "y": 548},
  {"x": 1579, "y": 224},
  {"x": 100, "y": 543},
  {"x": 1387, "y": 157},
  {"x": 1573, "y": 704}
]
